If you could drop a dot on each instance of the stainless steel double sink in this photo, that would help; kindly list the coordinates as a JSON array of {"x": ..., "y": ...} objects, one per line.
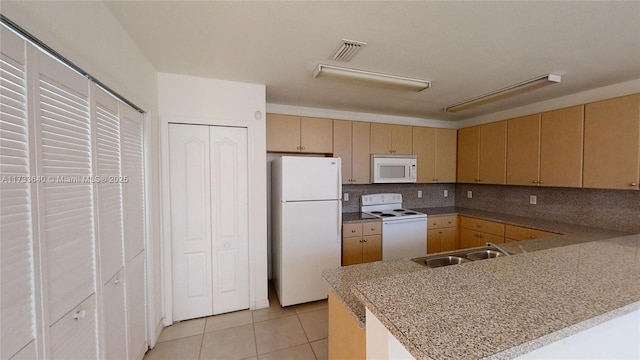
[{"x": 461, "y": 257}]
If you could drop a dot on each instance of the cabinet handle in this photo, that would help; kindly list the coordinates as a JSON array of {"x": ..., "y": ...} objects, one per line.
[
  {"x": 633, "y": 184},
  {"x": 373, "y": 229},
  {"x": 360, "y": 240},
  {"x": 116, "y": 281},
  {"x": 540, "y": 182},
  {"x": 439, "y": 232},
  {"x": 532, "y": 237},
  {"x": 302, "y": 147},
  {"x": 80, "y": 314},
  {"x": 365, "y": 240},
  {"x": 353, "y": 230},
  {"x": 298, "y": 147},
  {"x": 478, "y": 226},
  {"x": 535, "y": 181}
]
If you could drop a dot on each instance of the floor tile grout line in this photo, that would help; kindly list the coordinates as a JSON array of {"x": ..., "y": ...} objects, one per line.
[{"x": 255, "y": 336}]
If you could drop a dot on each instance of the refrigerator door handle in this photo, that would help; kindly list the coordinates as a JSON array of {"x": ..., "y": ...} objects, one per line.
[{"x": 339, "y": 218}]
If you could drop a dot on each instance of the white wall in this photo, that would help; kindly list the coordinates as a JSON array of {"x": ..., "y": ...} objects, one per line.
[
  {"x": 211, "y": 101},
  {"x": 87, "y": 34}
]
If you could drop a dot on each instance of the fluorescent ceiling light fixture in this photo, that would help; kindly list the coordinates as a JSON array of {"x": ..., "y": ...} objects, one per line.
[
  {"x": 390, "y": 81},
  {"x": 506, "y": 92}
]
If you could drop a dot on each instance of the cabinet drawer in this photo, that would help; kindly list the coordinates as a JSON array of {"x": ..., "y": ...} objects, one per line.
[
  {"x": 521, "y": 233},
  {"x": 485, "y": 226},
  {"x": 74, "y": 335},
  {"x": 352, "y": 229},
  {"x": 372, "y": 228},
  {"x": 449, "y": 221},
  {"x": 434, "y": 223},
  {"x": 470, "y": 238}
]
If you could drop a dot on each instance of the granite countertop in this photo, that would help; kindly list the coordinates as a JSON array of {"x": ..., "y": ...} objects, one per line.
[
  {"x": 492, "y": 308},
  {"x": 397, "y": 274},
  {"x": 357, "y": 217}
]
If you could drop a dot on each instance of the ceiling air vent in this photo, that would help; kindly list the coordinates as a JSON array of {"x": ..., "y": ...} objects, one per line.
[{"x": 347, "y": 50}]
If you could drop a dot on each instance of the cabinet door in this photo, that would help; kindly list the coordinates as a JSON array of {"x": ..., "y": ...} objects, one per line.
[
  {"x": 351, "y": 250},
  {"x": 445, "y": 155},
  {"x": 561, "y": 132},
  {"x": 468, "y": 154},
  {"x": 283, "y": 133},
  {"x": 402, "y": 139},
  {"x": 433, "y": 241},
  {"x": 449, "y": 221},
  {"x": 434, "y": 222},
  {"x": 74, "y": 335},
  {"x": 342, "y": 135},
  {"x": 424, "y": 146},
  {"x": 611, "y": 143},
  {"x": 493, "y": 153},
  {"x": 469, "y": 239},
  {"x": 523, "y": 146},
  {"x": 381, "y": 138},
  {"x": 316, "y": 135},
  {"x": 361, "y": 155},
  {"x": 113, "y": 318},
  {"x": 371, "y": 248},
  {"x": 449, "y": 239}
]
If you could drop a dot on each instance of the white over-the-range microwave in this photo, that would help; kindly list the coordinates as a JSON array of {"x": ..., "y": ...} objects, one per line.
[{"x": 387, "y": 169}]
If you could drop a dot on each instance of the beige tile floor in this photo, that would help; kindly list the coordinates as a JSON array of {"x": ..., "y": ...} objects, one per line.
[{"x": 294, "y": 332}]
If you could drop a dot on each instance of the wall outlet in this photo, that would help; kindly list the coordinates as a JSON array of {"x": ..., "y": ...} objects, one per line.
[
  {"x": 533, "y": 199},
  {"x": 446, "y": 193},
  {"x": 345, "y": 197},
  {"x": 469, "y": 194},
  {"x": 419, "y": 194}
]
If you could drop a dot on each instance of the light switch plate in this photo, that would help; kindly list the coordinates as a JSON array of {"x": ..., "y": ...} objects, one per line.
[
  {"x": 446, "y": 193},
  {"x": 345, "y": 197},
  {"x": 469, "y": 194},
  {"x": 419, "y": 194}
]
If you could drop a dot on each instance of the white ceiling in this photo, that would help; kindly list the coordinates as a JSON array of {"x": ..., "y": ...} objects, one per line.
[{"x": 465, "y": 48}]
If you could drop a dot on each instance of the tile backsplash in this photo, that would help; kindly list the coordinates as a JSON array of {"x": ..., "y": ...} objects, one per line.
[
  {"x": 609, "y": 209},
  {"x": 432, "y": 195}
]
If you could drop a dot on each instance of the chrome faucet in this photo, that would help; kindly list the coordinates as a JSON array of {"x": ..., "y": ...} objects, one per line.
[{"x": 499, "y": 248}]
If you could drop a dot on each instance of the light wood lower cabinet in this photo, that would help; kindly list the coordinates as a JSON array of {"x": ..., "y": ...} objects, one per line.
[
  {"x": 475, "y": 232},
  {"x": 518, "y": 233},
  {"x": 361, "y": 242},
  {"x": 442, "y": 234},
  {"x": 346, "y": 339}
]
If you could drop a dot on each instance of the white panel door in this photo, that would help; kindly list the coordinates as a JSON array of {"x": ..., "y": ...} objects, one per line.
[
  {"x": 190, "y": 221},
  {"x": 113, "y": 329},
  {"x": 209, "y": 219},
  {"x": 16, "y": 254},
  {"x": 229, "y": 216}
]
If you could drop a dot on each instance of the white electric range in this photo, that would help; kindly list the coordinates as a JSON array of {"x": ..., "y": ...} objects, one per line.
[{"x": 404, "y": 232}]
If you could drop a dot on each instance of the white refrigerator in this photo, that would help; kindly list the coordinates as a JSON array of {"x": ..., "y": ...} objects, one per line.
[{"x": 306, "y": 220}]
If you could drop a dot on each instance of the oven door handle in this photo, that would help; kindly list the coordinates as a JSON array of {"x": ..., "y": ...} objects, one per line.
[{"x": 404, "y": 221}]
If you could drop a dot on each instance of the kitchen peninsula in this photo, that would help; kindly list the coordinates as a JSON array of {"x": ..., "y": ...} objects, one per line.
[{"x": 499, "y": 308}]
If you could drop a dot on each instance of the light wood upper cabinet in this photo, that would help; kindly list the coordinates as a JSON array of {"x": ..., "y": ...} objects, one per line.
[
  {"x": 546, "y": 149},
  {"x": 612, "y": 143},
  {"x": 391, "y": 139},
  {"x": 523, "y": 147},
  {"x": 561, "y": 146},
  {"x": 288, "y": 133},
  {"x": 468, "y": 154},
  {"x": 482, "y": 153},
  {"x": 351, "y": 143},
  {"x": 436, "y": 152},
  {"x": 493, "y": 153}
]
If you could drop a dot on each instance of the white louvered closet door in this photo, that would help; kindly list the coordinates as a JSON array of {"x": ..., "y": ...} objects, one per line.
[
  {"x": 16, "y": 267},
  {"x": 108, "y": 201},
  {"x": 65, "y": 203},
  {"x": 131, "y": 131}
]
